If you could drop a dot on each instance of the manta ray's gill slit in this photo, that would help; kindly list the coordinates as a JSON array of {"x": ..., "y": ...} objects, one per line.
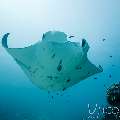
[{"x": 53, "y": 56}]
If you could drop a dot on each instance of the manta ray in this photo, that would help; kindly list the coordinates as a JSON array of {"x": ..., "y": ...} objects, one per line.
[{"x": 54, "y": 63}]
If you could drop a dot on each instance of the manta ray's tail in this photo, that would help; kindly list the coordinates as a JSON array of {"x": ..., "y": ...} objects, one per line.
[{"x": 4, "y": 40}]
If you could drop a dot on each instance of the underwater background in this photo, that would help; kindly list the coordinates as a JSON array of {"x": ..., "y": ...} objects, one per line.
[{"x": 98, "y": 21}]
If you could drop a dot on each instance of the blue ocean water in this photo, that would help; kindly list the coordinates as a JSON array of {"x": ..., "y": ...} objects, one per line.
[{"x": 96, "y": 21}]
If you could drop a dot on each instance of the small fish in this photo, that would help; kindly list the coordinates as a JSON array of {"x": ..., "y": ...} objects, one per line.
[
  {"x": 103, "y": 39},
  {"x": 52, "y": 97},
  {"x": 48, "y": 92},
  {"x": 71, "y": 36},
  {"x": 68, "y": 80},
  {"x": 110, "y": 56},
  {"x": 64, "y": 89},
  {"x": 110, "y": 76}
]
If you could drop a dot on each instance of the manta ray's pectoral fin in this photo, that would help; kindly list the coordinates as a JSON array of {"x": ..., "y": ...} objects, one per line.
[
  {"x": 93, "y": 69},
  {"x": 24, "y": 55}
]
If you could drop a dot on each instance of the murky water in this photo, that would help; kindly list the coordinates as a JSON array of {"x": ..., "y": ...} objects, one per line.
[{"x": 96, "y": 21}]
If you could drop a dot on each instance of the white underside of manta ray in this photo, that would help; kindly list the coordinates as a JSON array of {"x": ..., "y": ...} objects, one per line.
[{"x": 54, "y": 63}]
